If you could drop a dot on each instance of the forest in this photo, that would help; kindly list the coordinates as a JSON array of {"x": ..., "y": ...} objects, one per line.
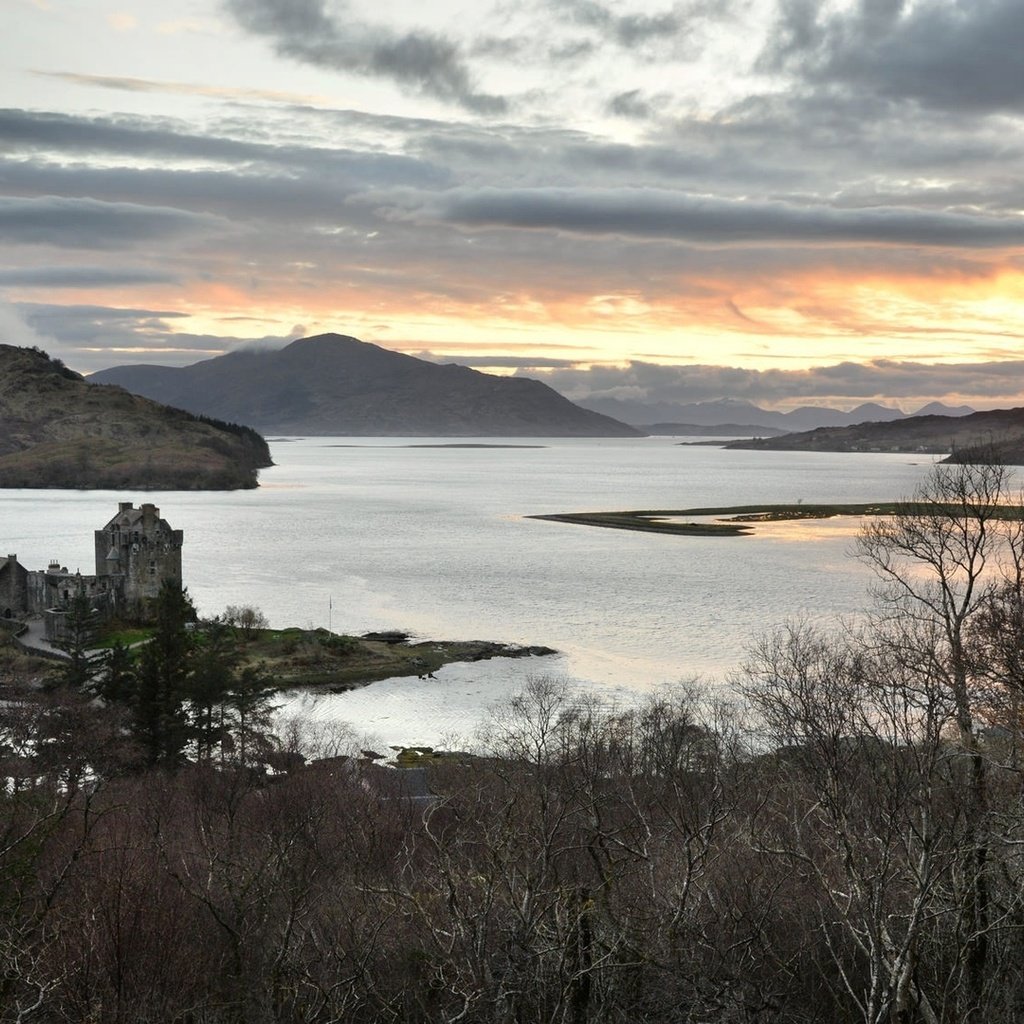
[{"x": 836, "y": 835}]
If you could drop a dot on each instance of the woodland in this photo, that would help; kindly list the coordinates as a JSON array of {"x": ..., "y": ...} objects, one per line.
[{"x": 837, "y": 835}]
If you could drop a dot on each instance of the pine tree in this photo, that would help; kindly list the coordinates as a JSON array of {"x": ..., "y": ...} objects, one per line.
[
  {"x": 251, "y": 712},
  {"x": 117, "y": 680},
  {"x": 160, "y": 720},
  {"x": 215, "y": 657},
  {"x": 81, "y": 624}
]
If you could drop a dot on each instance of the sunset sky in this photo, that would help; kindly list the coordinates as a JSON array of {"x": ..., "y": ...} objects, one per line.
[{"x": 787, "y": 201}]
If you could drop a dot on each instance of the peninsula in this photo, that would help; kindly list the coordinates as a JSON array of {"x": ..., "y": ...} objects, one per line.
[
  {"x": 999, "y": 434},
  {"x": 59, "y": 430},
  {"x": 321, "y": 660}
]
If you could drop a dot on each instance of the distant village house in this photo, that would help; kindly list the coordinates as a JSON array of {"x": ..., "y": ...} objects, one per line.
[{"x": 136, "y": 552}]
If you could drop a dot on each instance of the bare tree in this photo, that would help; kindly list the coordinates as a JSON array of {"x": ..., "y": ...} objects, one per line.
[
  {"x": 939, "y": 560},
  {"x": 858, "y": 803},
  {"x": 246, "y": 618}
]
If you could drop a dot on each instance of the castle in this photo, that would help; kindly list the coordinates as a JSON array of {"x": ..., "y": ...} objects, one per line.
[{"x": 136, "y": 552}]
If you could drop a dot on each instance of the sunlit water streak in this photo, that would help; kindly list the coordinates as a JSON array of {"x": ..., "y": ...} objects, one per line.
[{"x": 433, "y": 540}]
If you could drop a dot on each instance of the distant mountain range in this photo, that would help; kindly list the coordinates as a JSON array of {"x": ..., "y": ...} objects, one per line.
[
  {"x": 58, "y": 430},
  {"x": 998, "y": 433},
  {"x": 336, "y": 385},
  {"x": 715, "y": 430},
  {"x": 736, "y": 412}
]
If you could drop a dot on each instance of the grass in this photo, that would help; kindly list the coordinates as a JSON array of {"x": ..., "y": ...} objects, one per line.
[{"x": 126, "y": 635}]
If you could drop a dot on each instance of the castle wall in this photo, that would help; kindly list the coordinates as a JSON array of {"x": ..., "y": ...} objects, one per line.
[
  {"x": 13, "y": 588},
  {"x": 143, "y": 549},
  {"x": 52, "y": 591}
]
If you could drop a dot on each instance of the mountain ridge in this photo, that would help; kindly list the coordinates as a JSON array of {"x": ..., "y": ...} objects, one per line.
[
  {"x": 333, "y": 384},
  {"x": 739, "y": 411}
]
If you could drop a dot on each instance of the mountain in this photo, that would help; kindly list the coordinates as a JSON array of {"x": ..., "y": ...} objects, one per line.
[
  {"x": 999, "y": 434},
  {"x": 336, "y": 385},
  {"x": 718, "y": 430},
  {"x": 809, "y": 417},
  {"x": 938, "y": 409},
  {"x": 705, "y": 414},
  {"x": 733, "y": 411},
  {"x": 59, "y": 430}
]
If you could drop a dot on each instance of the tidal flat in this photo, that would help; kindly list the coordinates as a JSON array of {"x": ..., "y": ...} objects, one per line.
[{"x": 740, "y": 520}]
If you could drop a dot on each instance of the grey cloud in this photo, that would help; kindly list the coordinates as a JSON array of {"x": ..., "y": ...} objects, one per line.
[
  {"x": 90, "y": 224},
  {"x": 37, "y": 131},
  {"x": 857, "y": 148},
  {"x": 538, "y": 156},
  {"x": 503, "y": 47},
  {"x": 90, "y": 338},
  {"x": 240, "y": 196},
  {"x": 755, "y": 147},
  {"x": 528, "y": 49},
  {"x": 14, "y": 330},
  {"x": 632, "y": 29},
  {"x": 520, "y": 362},
  {"x": 304, "y": 31},
  {"x": 51, "y": 316},
  {"x": 657, "y": 213},
  {"x": 302, "y": 231},
  {"x": 846, "y": 383},
  {"x": 123, "y": 84},
  {"x": 627, "y": 30},
  {"x": 633, "y": 104},
  {"x": 572, "y": 50},
  {"x": 952, "y": 54},
  {"x": 81, "y": 277}
]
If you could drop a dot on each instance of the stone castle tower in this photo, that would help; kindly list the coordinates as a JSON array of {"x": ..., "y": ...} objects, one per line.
[{"x": 140, "y": 547}]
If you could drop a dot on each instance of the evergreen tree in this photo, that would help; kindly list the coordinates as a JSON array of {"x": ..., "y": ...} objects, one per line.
[
  {"x": 215, "y": 657},
  {"x": 81, "y": 624},
  {"x": 117, "y": 680},
  {"x": 164, "y": 678},
  {"x": 251, "y": 709}
]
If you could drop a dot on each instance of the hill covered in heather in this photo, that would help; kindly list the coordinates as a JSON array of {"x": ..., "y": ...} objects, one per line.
[
  {"x": 59, "y": 430},
  {"x": 336, "y": 385}
]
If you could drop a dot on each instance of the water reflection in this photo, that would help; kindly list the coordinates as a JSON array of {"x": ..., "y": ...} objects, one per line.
[{"x": 433, "y": 541}]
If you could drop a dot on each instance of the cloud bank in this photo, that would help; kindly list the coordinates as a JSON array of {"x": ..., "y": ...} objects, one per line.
[{"x": 756, "y": 185}]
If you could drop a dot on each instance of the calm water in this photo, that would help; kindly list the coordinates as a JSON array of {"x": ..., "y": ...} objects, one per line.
[{"x": 373, "y": 534}]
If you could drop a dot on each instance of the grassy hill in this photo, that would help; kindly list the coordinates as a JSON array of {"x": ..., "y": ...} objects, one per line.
[{"x": 59, "y": 430}]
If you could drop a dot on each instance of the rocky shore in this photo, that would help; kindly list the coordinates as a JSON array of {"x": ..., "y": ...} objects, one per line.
[{"x": 319, "y": 659}]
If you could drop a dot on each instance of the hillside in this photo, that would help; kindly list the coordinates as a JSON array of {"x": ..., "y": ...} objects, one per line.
[
  {"x": 999, "y": 432},
  {"x": 336, "y": 385},
  {"x": 59, "y": 430}
]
